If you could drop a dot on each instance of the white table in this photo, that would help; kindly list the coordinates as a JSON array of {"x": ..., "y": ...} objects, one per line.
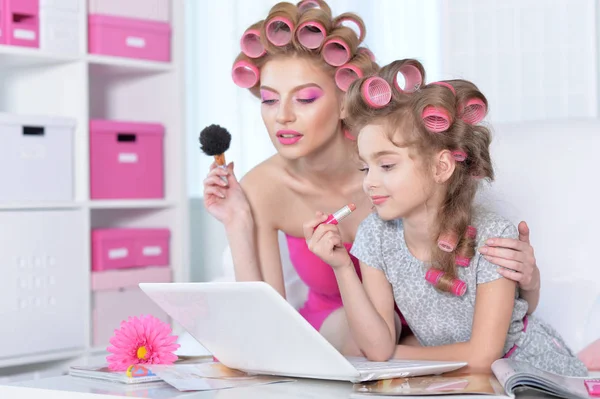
[{"x": 57, "y": 388}]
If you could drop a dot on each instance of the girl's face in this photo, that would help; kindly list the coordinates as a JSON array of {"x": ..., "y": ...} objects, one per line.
[
  {"x": 396, "y": 181},
  {"x": 301, "y": 105}
]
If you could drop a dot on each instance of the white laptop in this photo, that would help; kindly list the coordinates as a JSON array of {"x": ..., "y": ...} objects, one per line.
[{"x": 250, "y": 327}]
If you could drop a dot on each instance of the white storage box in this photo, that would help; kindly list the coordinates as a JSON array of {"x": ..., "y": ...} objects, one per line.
[
  {"x": 60, "y": 26},
  {"x": 117, "y": 296},
  {"x": 36, "y": 158},
  {"x": 155, "y": 10},
  {"x": 42, "y": 289}
]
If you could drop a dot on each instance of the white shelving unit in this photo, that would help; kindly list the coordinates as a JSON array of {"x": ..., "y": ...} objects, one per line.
[{"x": 85, "y": 87}]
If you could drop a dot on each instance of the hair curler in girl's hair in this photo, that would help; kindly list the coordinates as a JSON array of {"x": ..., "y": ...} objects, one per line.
[
  {"x": 436, "y": 119},
  {"x": 250, "y": 42},
  {"x": 339, "y": 46},
  {"x": 411, "y": 71},
  {"x": 445, "y": 84},
  {"x": 244, "y": 73},
  {"x": 447, "y": 242},
  {"x": 312, "y": 29},
  {"x": 354, "y": 19},
  {"x": 412, "y": 78},
  {"x": 462, "y": 261},
  {"x": 473, "y": 111},
  {"x": 459, "y": 155},
  {"x": 376, "y": 92},
  {"x": 458, "y": 287},
  {"x": 471, "y": 232},
  {"x": 465, "y": 261},
  {"x": 306, "y": 5}
]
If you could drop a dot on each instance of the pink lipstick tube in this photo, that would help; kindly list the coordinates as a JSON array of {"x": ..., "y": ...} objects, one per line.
[{"x": 339, "y": 215}]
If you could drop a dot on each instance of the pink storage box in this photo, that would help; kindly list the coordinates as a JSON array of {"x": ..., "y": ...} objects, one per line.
[
  {"x": 129, "y": 37},
  {"x": 116, "y": 296},
  {"x": 126, "y": 160},
  {"x": 129, "y": 248},
  {"x": 20, "y": 23}
]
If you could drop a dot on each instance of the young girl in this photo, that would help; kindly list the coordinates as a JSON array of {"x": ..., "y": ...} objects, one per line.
[{"x": 424, "y": 155}]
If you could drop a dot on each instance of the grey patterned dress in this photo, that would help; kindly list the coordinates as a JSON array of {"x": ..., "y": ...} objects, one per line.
[{"x": 438, "y": 318}]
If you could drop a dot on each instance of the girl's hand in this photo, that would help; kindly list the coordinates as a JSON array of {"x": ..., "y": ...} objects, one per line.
[{"x": 325, "y": 241}]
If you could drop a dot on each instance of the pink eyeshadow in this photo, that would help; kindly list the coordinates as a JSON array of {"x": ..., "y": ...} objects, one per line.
[{"x": 310, "y": 93}]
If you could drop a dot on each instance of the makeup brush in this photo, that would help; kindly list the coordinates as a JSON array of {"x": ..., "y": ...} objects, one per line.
[{"x": 214, "y": 141}]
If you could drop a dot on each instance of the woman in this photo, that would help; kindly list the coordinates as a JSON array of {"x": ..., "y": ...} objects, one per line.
[{"x": 299, "y": 61}]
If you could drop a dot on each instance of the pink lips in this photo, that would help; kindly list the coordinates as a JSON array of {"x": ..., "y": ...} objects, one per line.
[
  {"x": 288, "y": 137},
  {"x": 378, "y": 199}
]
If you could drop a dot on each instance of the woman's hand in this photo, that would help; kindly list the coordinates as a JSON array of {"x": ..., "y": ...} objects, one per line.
[
  {"x": 223, "y": 195},
  {"x": 325, "y": 241},
  {"x": 516, "y": 257}
]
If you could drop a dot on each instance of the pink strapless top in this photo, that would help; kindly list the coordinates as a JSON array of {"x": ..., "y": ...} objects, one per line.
[{"x": 315, "y": 273}]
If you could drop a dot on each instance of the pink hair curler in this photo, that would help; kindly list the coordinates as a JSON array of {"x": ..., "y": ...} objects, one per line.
[
  {"x": 245, "y": 74},
  {"x": 307, "y": 5},
  {"x": 474, "y": 111},
  {"x": 357, "y": 27},
  {"x": 471, "y": 232},
  {"x": 462, "y": 261},
  {"x": 345, "y": 75},
  {"x": 459, "y": 155},
  {"x": 311, "y": 34},
  {"x": 412, "y": 79},
  {"x": 447, "y": 242},
  {"x": 376, "y": 92},
  {"x": 368, "y": 52},
  {"x": 251, "y": 45},
  {"x": 445, "y": 84},
  {"x": 336, "y": 52},
  {"x": 279, "y": 31},
  {"x": 433, "y": 276},
  {"x": 436, "y": 119},
  {"x": 348, "y": 135}
]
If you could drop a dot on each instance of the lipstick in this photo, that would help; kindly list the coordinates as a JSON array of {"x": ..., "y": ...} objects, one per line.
[{"x": 339, "y": 215}]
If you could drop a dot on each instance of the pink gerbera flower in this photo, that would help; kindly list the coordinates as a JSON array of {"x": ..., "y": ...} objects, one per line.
[{"x": 146, "y": 340}]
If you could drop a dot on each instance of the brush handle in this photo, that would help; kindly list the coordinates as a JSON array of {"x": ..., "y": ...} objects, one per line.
[{"x": 220, "y": 161}]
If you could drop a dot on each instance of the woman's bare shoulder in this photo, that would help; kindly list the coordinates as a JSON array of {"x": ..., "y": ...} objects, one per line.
[{"x": 265, "y": 187}]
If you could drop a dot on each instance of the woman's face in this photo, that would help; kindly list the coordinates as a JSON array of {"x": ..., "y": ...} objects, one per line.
[{"x": 301, "y": 105}]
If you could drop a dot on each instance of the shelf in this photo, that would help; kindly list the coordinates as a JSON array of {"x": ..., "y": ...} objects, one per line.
[
  {"x": 15, "y": 56},
  {"x": 129, "y": 204},
  {"x": 99, "y": 350},
  {"x": 41, "y": 358},
  {"x": 107, "y": 65},
  {"x": 39, "y": 205}
]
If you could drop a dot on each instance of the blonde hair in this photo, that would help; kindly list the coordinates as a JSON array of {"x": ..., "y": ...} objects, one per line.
[
  {"x": 455, "y": 107},
  {"x": 304, "y": 29}
]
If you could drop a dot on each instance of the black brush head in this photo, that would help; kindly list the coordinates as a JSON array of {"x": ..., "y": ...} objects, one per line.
[{"x": 214, "y": 140}]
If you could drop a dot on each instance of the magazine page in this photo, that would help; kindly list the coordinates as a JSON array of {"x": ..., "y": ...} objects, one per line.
[
  {"x": 447, "y": 384},
  {"x": 138, "y": 374},
  {"x": 210, "y": 376},
  {"x": 513, "y": 374}
]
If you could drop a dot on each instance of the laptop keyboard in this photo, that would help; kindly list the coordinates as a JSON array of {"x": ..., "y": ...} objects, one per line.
[{"x": 362, "y": 364}]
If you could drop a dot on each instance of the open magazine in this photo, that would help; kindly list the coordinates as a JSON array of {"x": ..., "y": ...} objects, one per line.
[{"x": 509, "y": 376}]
